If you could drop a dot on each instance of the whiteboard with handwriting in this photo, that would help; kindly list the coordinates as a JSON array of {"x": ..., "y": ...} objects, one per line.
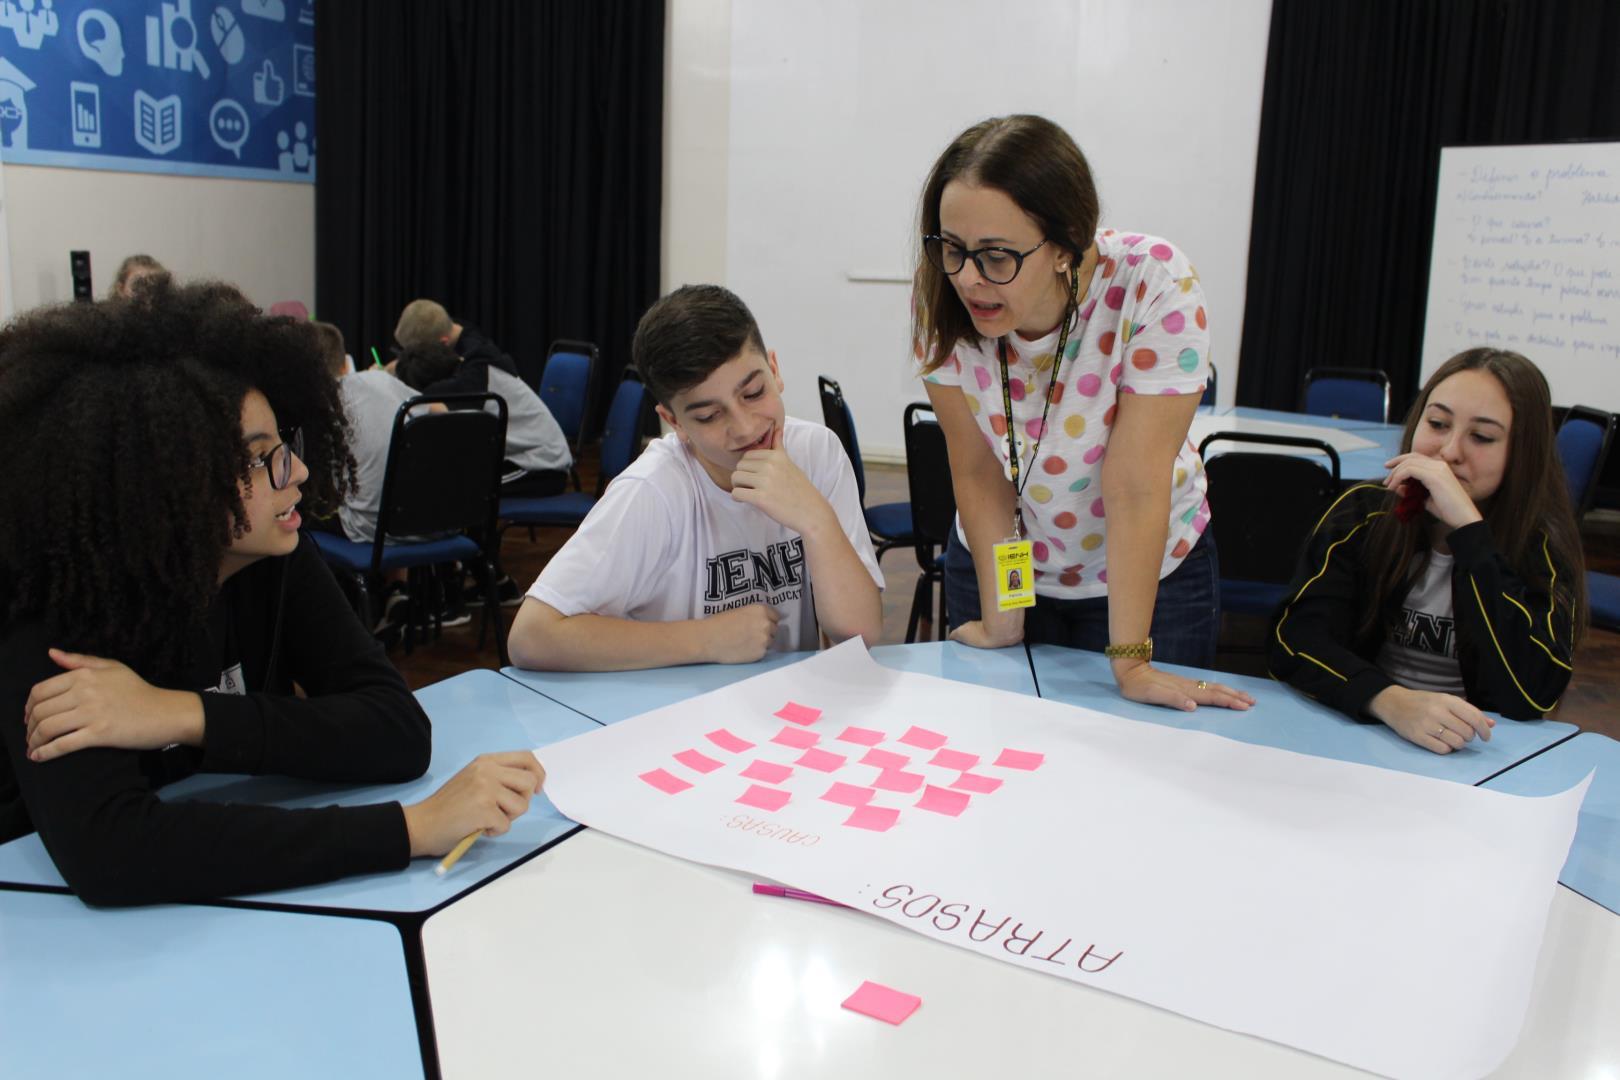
[{"x": 1527, "y": 257}]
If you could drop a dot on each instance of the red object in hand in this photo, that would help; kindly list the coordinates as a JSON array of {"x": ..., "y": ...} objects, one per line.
[{"x": 1412, "y": 500}]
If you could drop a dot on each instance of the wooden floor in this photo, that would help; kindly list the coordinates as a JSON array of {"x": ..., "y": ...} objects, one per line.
[{"x": 1592, "y": 701}]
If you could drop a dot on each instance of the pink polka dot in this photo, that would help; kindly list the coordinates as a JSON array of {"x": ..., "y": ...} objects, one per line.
[
  {"x": 1174, "y": 322},
  {"x": 1094, "y": 455},
  {"x": 1115, "y": 372},
  {"x": 1054, "y": 466},
  {"x": 1134, "y": 257},
  {"x": 1097, "y": 508},
  {"x": 1085, "y": 312},
  {"x": 1114, "y": 297},
  {"x": 1088, "y": 385},
  {"x": 1017, "y": 388},
  {"x": 1102, "y": 576},
  {"x": 1161, "y": 252},
  {"x": 982, "y": 377},
  {"x": 1066, "y": 520},
  {"x": 1057, "y": 543},
  {"x": 1034, "y": 428},
  {"x": 1128, "y": 390},
  {"x": 1200, "y": 523},
  {"x": 1041, "y": 551},
  {"x": 1132, "y": 240},
  {"x": 1144, "y": 359},
  {"x": 1168, "y": 390}
]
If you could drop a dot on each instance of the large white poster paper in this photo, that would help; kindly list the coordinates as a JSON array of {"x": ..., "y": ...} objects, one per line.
[{"x": 1381, "y": 919}]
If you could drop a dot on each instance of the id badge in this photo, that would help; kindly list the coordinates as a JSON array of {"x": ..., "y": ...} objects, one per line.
[{"x": 1015, "y": 575}]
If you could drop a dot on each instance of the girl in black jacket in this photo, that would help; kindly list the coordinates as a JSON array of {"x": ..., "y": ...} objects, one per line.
[
  {"x": 1456, "y": 585},
  {"x": 160, "y": 607}
]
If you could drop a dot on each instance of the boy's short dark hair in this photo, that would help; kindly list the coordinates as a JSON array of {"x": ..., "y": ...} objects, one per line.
[
  {"x": 332, "y": 347},
  {"x": 685, "y": 336},
  {"x": 423, "y": 365}
]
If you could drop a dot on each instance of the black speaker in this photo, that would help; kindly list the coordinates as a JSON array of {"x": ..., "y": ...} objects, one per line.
[{"x": 79, "y": 262}]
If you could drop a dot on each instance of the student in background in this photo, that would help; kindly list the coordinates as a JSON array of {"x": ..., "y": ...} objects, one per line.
[
  {"x": 424, "y": 322},
  {"x": 137, "y": 271},
  {"x": 1064, "y": 362},
  {"x": 160, "y": 607},
  {"x": 1456, "y": 584},
  {"x": 738, "y": 533}
]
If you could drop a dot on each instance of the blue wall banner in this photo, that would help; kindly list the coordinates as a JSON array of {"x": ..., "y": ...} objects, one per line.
[{"x": 190, "y": 87}]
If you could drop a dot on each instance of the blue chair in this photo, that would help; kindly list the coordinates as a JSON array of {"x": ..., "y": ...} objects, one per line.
[
  {"x": 442, "y": 480},
  {"x": 621, "y": 440},
  {"x": 568, "y": 386},
  {"x": 1603, "y": 599},
  {"x": 1352, "y": 393},
  {"x": 933, "y": 510},
  {"x": 1583, "y": 446},
  {"x": 1264, "y": 506},
  {"x": 889, "y": 523}
]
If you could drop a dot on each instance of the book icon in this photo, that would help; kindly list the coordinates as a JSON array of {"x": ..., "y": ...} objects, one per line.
[{"x": 157, "y": 122}]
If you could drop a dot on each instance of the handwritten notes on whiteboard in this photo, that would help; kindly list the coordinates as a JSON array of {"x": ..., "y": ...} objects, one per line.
[{"x": 1527, "y": 257}]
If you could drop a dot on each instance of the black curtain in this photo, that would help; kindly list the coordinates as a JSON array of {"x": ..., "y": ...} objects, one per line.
[
  {"x": 500, "y": 156},
  {"x": 1360, "y": 95}
]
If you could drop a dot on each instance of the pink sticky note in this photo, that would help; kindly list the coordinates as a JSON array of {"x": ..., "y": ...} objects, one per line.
[
  {"x": 944, "y": 800},
  {"x": 725, "y": 740},
  {"x": 954, "y": 759},
  {"x": 665, "y": 781},
  {"x": 1020, "y": 759},
  {"x": 820, "y": 760},
  {"x": 703, "y": 763},
  {"x": 864, "y": 736},
  {"x": 768, "y": 771},
  {"x": 923, "y": 739},
  {"x": 764, "y": 798},
  {"x": 797, "y": 738},
  {"x": 895, "y": 780},
  {"x": 794, "y": 713},
  {"x": 885, "y": 759},
  {"x": 849, "y": 795},
  {"x": 983, "y": 785},
  {"x": 875, "y": 818},
  {"x": 885, "y": 1003}
]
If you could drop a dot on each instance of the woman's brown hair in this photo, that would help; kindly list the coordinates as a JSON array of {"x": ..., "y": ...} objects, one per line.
[
  {"x": 1531, "y": 506},
  {"x": 1040, "y": 168}
]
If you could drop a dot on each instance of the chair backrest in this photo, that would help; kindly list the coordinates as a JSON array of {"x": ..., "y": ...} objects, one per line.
[
  {"x": 444, "y": 468},
  {"x": 568, "y": 386},
  {"x": 1583, "y": 444},
  {"x": 1264, "y": 505},
  {"x": 292, "y": 308},
  {"x": 621, "y": 435},
  {"x": 928, "y": 475},
  {"x": 1209, "y": 387},
  {"x": 1353, "y": 393},
  {"x": 836, "y": 415}
]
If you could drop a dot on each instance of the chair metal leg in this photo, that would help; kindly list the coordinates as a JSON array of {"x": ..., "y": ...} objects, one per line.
[
  {"x": 919, "y": 607},
  {"x": 944, "y": 625}
]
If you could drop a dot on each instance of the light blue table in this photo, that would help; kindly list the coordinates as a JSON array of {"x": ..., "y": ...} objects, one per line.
[
  {"x": 1593, "y": 867},
  {"x": 473, "y": 713},
  {"x": 611, "y": 696},
  {"x": 173, "y": 991},
  {"x": 1343, "y": 423},
  {"x": 1284, "y": 718},
  {"x": 1354, "y": 465}
]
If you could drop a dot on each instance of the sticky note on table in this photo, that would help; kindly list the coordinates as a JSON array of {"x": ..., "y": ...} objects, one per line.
[
  {"x": 862, "y": 735},
  {"x": 768, "y": 771},
  {"x": 665, "y": 781},
  {"x": 944, "y": 800},
  {"x": 923, "y": 739},
  {"x": 973, "y": 782},
  {"x": 848, "y": 795},
  {"x": 1020, "y": 759},
  {"x": 797, "y": 738},
  {"x": 898, "y": 780},
  {"x": 883, "y": 1002},
  {"x": 875, "y": 818},
  {"x": 820, "y": 760},
  {"x": 954, "y": 759},
  {"x": 885, "y": 759},
  {"x": 725, "y": 740},
  {"x": 794, "y": 713},
  {"x": 692, "y": 759},
  {"x": 764, "y": 798}
]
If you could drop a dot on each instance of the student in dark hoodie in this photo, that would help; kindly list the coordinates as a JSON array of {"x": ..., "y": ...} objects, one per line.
[{"x": 160, "y": 606}]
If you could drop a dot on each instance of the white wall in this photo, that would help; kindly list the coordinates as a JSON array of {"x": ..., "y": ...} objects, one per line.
[
  {"x": 838, "y": 108},
  {"x": 257, "y": 234}
]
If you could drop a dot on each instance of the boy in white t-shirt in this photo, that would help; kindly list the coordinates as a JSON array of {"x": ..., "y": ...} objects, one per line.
[{"x": 738, "y": 533}]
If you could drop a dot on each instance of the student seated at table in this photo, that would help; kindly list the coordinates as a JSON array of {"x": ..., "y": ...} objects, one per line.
[
  {"x": 1455, "y": 586},
  {"x": 162, "y": 615},
  {"x": 738, "y": 533}
]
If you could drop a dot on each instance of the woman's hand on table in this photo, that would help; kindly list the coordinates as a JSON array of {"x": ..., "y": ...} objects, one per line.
[
  {"x": 982, "y": 635},
  {"x": 1140, "y": 681},
  {"x": 1437, "y": 722}
]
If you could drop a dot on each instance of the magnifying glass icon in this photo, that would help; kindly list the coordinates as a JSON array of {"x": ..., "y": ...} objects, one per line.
[{"x": 179, "y": 25}]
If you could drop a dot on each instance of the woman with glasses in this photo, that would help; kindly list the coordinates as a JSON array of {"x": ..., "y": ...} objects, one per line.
[
  {"x": 160, "y": 608},
  {"x": 1065, "y": 363}
]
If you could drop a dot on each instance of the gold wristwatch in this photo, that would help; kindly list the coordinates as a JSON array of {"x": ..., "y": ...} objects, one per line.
[{"x": 1143, "y": 651}]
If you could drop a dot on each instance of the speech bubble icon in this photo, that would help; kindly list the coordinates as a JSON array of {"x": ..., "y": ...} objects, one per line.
[{"x": 228, "y": 124}]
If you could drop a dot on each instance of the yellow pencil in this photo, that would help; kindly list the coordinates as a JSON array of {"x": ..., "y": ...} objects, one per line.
[{"x": 456, "y": 852}]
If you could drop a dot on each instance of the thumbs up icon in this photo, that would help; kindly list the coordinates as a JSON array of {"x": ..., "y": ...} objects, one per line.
[{"x": 268, "y": 87}]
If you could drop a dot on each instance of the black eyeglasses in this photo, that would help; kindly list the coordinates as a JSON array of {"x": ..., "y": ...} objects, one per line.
[
  {"x": 278, "y": 459},
  {"x": 997, "y": 265}
]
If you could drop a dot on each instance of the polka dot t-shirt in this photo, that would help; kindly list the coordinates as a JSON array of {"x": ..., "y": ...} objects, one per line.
[{"x": 1142, "y": 329}]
